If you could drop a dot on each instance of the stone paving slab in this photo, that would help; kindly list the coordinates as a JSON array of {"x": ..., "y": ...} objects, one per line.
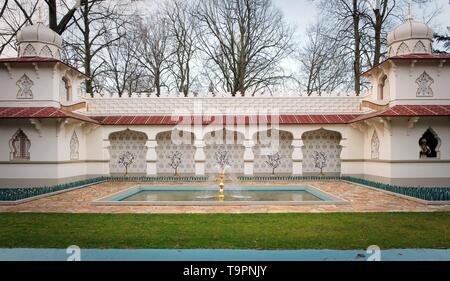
[{"x": 361, "y": 199}]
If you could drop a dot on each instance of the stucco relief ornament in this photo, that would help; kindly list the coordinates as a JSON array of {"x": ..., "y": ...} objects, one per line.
[
  {"x": 74, "y": 144},
  {"x": 25, "y": 84},
  {"x": 424, "y": 82},
  {"x": 375, "y": 145}
]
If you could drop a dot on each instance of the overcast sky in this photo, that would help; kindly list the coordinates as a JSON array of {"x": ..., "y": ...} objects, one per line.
[{"x": 303, "y": 12}]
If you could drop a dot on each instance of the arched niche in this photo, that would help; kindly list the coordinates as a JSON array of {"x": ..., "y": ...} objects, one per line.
[
  {"x": 273, "y": 152},
  {"x": 383, "y": 87},
  {"x": 19, "y": 145},
  {"x": 429, "y": 144},
  {"x": 66, "y": 88},
  {"x": 176, "y": 153},
  {"x": 325, "y": 144},
  {"x": 128, "y": 141},
  {"x": 224, "y": 140}
]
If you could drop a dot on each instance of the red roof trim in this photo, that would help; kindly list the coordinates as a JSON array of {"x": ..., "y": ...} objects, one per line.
[
  {"x": 408, "y": 111},
  {"x": 41, "y": 112},
  {"x": 238, "y": 120},
  {"x": 38, "y": 59},
  {"x": 396, "y": 111}
]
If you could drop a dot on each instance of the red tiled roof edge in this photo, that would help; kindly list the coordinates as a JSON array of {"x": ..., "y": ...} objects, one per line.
[
  {"x": 41, "y": 112},
  {"x": 408, "y": 111},
  {"x": 39, "y": 59}
]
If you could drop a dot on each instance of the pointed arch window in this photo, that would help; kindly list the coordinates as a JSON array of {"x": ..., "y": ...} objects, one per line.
[
  {"x": 20, "y": 146},
  {"x": 429, "y": 144},
  {"x": 67, "y": 88}
]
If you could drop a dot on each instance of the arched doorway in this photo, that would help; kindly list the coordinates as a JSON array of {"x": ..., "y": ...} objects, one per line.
[
  {"x": 132, "y": 145},
  {"x": 273, "y": 158},
  {"x": 175, "y": 156},
  {"x": 321, "y": 152}
]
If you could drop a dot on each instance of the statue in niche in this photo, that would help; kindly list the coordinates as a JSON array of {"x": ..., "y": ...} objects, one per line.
[
  {"x": 428, "y": 144},
  {"x": 425, "y": 150}
]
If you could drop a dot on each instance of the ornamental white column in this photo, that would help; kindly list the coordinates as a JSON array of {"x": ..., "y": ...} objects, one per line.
[
  {"x": 297, "y": 157},
  {"x": 106, "y": 156},
  {"x": 152, "y": 157},
  {"x": 249, "y": 157},
  {"x": 199, "y": 157}
]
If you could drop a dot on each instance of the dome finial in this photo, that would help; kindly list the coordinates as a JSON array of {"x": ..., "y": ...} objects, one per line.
[
  {"x": 409, "y": 17},
  {"x": 40, "y": 18}
]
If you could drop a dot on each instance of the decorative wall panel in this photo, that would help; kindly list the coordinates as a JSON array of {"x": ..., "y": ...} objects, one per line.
[
  {"x": 233, "y": 143},
  {"x": 124, "y": 141},
  {"x": 322, "y": 141},
  {"x": 262, "y": 149},
  {"x": 166, "y": 147}
]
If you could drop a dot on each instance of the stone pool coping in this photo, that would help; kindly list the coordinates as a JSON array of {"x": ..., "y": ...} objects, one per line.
[
  {"x": 334, "y": 200},
  {"x": 222, "y": 255}
]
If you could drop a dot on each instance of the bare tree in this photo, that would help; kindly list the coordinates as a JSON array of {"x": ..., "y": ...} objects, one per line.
[
  {"x": 246, "y": 40},
  {"x": 274, "y": 161},
  {"x": 14, "y": 15},
  {"x": 323, "y": 66},
  {"x": 181, "y": 32},
  {"x": 153, "y": 51},
  {"x": 320, "y": 160},
  {"x": 126, "y": 160},
  {"x": 175, "y": 159},
  {"x": 90, "y": 35},
  {"x": 61, "y": 26},
  {"x": 119, "y": 57}
]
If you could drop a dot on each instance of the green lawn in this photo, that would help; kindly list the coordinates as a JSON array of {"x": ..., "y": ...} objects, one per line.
[{"x": 246, "y": 231}]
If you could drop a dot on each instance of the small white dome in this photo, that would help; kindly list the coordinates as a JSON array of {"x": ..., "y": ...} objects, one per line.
[
  {"x": 410, "y": 37},
  {"x": 39, "y": 33},
  {"x": 410, "y": 30},
  {"x": 38, "y": 40}
]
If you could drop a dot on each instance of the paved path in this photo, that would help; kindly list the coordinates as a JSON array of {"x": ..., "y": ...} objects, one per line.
[{"x": 361, "y": 199}]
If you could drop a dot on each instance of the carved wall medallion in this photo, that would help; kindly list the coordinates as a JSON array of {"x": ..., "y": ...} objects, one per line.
[
  {"x": 74, "y": 146},
  {"x": 25, "y": 84},
  {"x": 375, "y": 146},
  {"x": 424, "y": 85}
]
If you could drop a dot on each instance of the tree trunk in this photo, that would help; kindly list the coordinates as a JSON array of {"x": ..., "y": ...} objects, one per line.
[
  {"x": 377, "y": 30},
  {"x": 357, "y": 49},
  {"x": 87, "y": 50}
]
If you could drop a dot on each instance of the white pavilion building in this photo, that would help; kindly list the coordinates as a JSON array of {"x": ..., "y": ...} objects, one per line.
[{"x": 398, "y": 133}]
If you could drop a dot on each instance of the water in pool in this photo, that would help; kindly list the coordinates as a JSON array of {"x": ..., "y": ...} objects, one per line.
[{"x": 230, "y": 195}]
